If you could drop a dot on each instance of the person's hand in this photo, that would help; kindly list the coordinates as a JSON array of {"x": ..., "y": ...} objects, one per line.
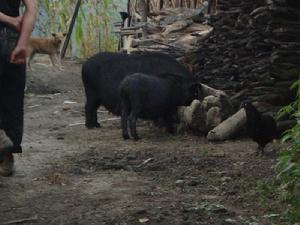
[
  {"x": 17, "y": 23},
  {"x": 18, "y": 55}
]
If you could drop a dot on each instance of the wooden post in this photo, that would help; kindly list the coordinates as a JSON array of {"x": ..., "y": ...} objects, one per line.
[
  {"x": 63, "y": 51},
  {"x": 161, "y": 4},
  {"x": 144, "y": 9},
  {"x": 128, "y": 7},
  {"x": 212, "y": 6},
  {"x": 209, "y": 7}
]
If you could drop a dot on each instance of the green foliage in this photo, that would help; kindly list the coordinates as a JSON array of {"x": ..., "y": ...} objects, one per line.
[
  {"x": 210, "y": 207},
  {"x": 266, "y": 191},
  {"x": 93, "y": 28},
  {"x": 285, "y": 187},
  {"x": 289, "y": 161}
]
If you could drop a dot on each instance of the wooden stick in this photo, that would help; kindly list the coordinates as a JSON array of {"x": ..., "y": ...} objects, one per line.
[{"x": 63, "y": 51}]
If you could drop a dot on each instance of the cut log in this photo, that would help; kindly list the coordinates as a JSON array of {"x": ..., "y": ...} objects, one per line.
[
  {"x": 228, "y": 128},
  {"x": 198, "y": 28},
  {"x": 213, "y": 117},
  {"x": 207, "y": 113},
  {"x": 128, "y": 44},
  {"x": 206, "y": 90},
  {"x": 187, "y": 41},
  {"x": 177, "y": 26},
  {"x": 193, "y": 116},
  {"x": 169, "y": 27}
]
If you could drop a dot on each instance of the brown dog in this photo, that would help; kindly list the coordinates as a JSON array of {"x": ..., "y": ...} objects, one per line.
[{"x": 46, "y": 45}]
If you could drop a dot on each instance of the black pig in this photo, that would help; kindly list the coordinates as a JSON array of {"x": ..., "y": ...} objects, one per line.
[
  {"x": 151, "y": 98},
  {"x": 103, "y": 73}
]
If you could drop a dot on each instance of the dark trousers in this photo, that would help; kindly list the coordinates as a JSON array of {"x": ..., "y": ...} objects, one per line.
[{"x": 12, "y": 85}]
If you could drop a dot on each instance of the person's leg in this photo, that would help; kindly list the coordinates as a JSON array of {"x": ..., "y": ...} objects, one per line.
[
  {"x": 2, "y": 60},
  {"x": 12, "y": 100},
  {"x": 6, "y": 157},
  {"x": 12, "y": 84}
]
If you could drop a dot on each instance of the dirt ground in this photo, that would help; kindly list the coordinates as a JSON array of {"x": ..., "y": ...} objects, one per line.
[{"x": 71, "y": 175}]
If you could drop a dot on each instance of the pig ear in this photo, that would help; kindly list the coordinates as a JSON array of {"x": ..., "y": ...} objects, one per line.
[{"x": 53, "y": 34}]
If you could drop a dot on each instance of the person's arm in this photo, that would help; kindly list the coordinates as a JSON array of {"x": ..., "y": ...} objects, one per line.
[
  {"x": 14, "y": 22},
  {"x": 18, "y": 56}
]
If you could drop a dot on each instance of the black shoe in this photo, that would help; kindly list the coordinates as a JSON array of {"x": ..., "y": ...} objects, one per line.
[
  {"x": 6, "y": 156},
  {"x": 6, "y": 163}
]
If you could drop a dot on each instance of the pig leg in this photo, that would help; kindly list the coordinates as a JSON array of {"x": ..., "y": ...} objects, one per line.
[
  {"x": 124, "y": 121},
  {"x": 135, "y": 108},
  {"x": 169, "y": 125},
  {"x": 160, "y": 123},
  {"x": 91, "y": 107},
  {"x": 132, "y": 125}
]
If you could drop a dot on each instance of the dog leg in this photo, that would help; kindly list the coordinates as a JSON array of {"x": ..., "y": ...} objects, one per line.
[
  {"x": 59, "y": 61},
  {"x": 29, "y": 60},
  {"x": 52, "y": 58}
]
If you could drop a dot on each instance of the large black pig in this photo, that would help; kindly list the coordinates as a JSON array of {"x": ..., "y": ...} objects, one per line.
[
  {"x": 103, "y": 73},
  {"x": 150, "y": 97}
]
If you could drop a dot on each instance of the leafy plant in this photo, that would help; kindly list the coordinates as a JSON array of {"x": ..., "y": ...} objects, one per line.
[
  {"x": 266, "y": 191},
  {"x": 289, "y": 160},
  {"x": 210, "y": 207},
  {"x": 93, "y": 28}
]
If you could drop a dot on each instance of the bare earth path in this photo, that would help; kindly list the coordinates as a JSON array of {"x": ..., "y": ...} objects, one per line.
[{"x": 71, "y": 175}]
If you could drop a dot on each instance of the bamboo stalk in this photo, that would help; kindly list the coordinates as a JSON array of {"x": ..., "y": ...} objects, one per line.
[{"x": 63, "y": 51}]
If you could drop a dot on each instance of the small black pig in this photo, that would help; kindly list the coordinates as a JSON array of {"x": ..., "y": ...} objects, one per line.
[{"x": 151, "y": 98}]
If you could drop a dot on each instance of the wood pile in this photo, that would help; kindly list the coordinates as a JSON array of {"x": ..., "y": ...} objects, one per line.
[
  {"x": 171, "y": 30},
  {"x": 158, "y": 5},
  {"x": 207, "y": 112},
  {"x": 248, "y": 48},
  {"x": 254, "y": 51}
]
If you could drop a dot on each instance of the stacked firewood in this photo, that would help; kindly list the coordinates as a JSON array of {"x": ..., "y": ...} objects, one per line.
[
  {"x": 170, "y": 30},
  {"x": 254, "y": 51},
  {"x": 158, "y": 5}
]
